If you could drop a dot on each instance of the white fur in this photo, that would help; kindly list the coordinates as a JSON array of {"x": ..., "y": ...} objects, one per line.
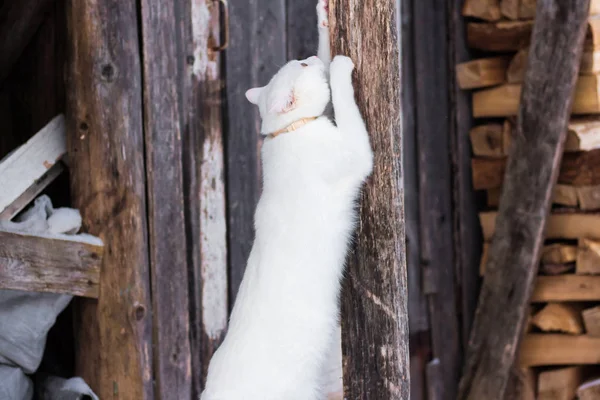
[{"x": 284, "y": 320}]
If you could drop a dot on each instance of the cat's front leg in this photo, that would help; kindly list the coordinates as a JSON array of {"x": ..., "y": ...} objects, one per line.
[
  {"x": 324, "y": 52},
  {"x": 348, "y": 118}
]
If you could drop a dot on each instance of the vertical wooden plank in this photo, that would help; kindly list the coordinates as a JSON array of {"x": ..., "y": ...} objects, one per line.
[
  {"x": 435, "y": 187},
  {"x": 106, "y": 146},
  {"x": 257, "y": 49},
  {"x": 418, "y": 313},
  {"x": 161, "y": 51},
  {"x": 301, "y": 23},
  {"x": 467, "y": 230},
  {"x": 204, "y": 173},
  {"x": 531, "y": 173},
  {"x": 374, "y": 300}
]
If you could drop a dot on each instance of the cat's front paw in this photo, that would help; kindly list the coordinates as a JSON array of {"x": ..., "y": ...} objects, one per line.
[
  {"x": 323, "y": 13},
  {"x": 341, "y": 65}
]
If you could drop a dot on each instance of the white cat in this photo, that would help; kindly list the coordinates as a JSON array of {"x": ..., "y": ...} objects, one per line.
[{"x": 284, "y": 320}]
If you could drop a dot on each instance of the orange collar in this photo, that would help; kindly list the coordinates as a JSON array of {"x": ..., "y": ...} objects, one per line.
[{"x": 293, "y": 126}]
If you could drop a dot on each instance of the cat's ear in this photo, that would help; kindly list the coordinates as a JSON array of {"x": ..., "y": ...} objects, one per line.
[
  {"x": 283, "y": 103},
  {"x": 252, "y": 94}
]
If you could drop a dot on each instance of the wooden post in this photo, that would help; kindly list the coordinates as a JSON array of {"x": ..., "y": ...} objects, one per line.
[
  {"x": 532, "y": 171},
  {"x": 106, "y": 148},
  {"x": 166, "y": 223},
  {"x": 374, "y": 302}
]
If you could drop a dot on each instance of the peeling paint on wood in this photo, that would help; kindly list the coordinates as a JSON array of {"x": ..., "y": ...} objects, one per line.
[{"x": 213, "y": 239}]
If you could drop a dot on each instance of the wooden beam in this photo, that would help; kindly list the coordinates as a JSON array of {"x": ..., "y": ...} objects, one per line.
[
  {"x": 591, "y": 320},
  {"x": 165, "y": 196},
  {"x": 559, "y": 384},
  {"x": 488, "y": 10},
  {"x": 531, "y": 174},
  {"x": 105, "y": 140},
  {"x": 503, "y": 101},
  {"x": 375, "y": 315},
  {"x": 556, "y": 349},
  {"x": 19, "y": 20},
  {"x": 25, "y": 168},
  {"x": 50, "y": 264},
  {"x": 559, "y": 226},
  {"x": 589, "y": 390},
  {"x": 482, "y": 72},
  {"x": 566, "y": 288},
  {"x": 576, "y": 169},
  {"x": 559, "y": 317}
]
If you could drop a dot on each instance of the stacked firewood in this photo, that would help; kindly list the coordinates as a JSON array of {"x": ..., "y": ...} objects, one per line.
[{"x": 560, "y": 351}]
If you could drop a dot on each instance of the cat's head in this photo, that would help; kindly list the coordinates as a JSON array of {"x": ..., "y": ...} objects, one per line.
[{"x": 298, "y": 90}]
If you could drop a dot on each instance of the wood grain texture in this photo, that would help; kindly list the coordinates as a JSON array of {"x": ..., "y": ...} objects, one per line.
[
  {"x": 19, "y": 20},
  {"x": 32, "y": 192},
  {"x": 204, "y": 177},
  {"x": 557, "y": 349},
  {"x": 45, "y": 264},
  {"x": 257, "y": 48},
  {"x": 482, "y": 72},
  {"x": 576, "y": 169},
  {"x": 503, "y": 101},
  {"x": 538, "y": 146},
  {"x": 435, "y": 190},
  {"x": 374, "y": 299},
  {"x": 164, "y": 177},
  {"x": 566, "y": 288},
  {"x": 106, "y": 148},
  {"x": 27, "y": 164},
  {"x": 500, "y": 36}
]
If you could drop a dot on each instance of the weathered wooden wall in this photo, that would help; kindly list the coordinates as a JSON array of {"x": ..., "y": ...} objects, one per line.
[{"x": 197, "y": 123}]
